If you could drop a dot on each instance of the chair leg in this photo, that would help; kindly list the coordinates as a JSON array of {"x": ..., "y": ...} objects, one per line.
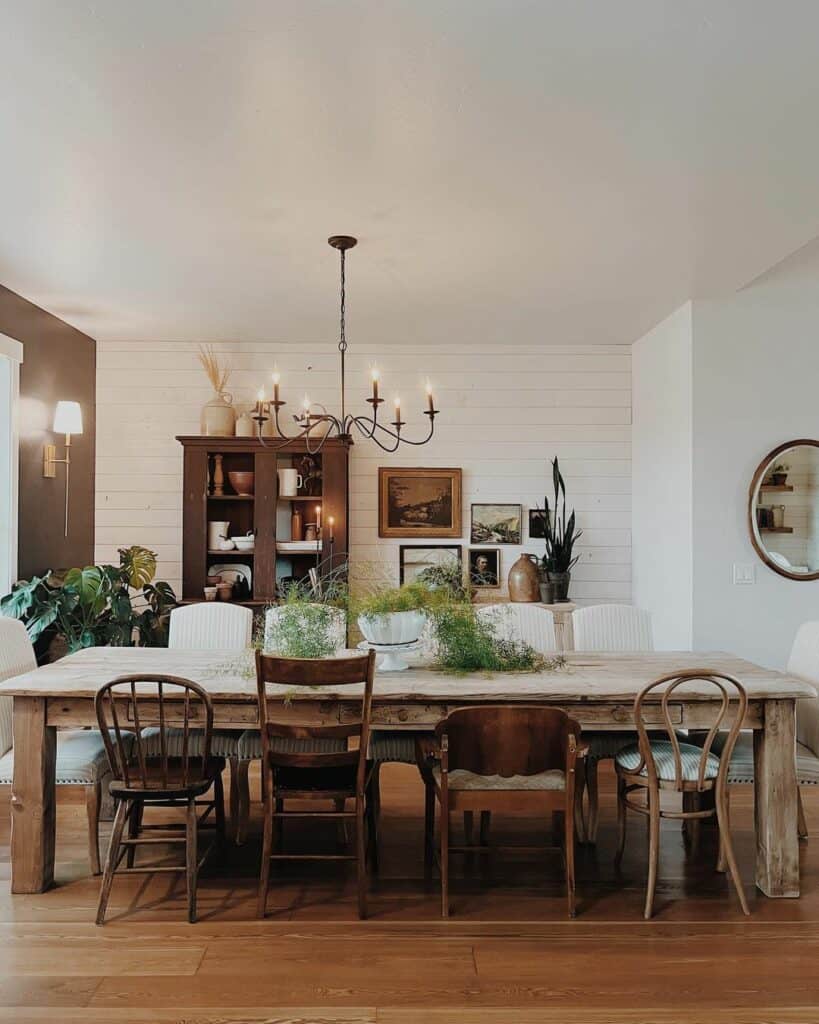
[
  {"x": 429, "y": 832},
  {"x": 219, "y": 810},
  {"x": 372, "y": 823},
  {"x": 653, "y": 850},
  {"x": 267, "y": 844},
  {"x": 134, "y": 825},
  {"x": 802, "y": 824},
  {"x": 727, "y": 847},
  {"x": 722, "y": 864},
  {"x": 469, "y": 826},
  {"x": 112, "y": 858},
  {"x": 234, "y": 791},
  {"x": 568, "y": 843},
  {"x": 621, "y": 820},
  {"x": 279, "y": 830},
  {"x": 594, "y": 801},
  {"x": 361, "y": 856},
  {"x": 243, "y": 802},
  {"x": 191, "y": 858},
  {"x": 486, "y": 822},
  {"x": 444, "y": 829},
  {"x": 580, "y": 785},
  {"x": 93, "y": 802}
]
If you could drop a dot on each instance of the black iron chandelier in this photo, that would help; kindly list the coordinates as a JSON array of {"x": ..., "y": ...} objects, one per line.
[{"x": 319, "y": 425}]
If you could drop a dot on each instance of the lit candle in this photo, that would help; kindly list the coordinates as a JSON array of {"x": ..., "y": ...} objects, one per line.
[
  {"x": 260, "y": 402},
  {"x": 430, "y": 403},
  {"x": 306, "y": 406},
  {"x": 318, "y": 517},
  {"x": 276, "y": 379},
  {"x": 376, "y": 376},
  {"x": 331, "y": 523},
  {"x": 397, "y": 409}
]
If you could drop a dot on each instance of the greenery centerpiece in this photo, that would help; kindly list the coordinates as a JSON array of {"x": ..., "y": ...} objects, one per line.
[
  {"x": 561, "y": 535},
  {"x": 307, "y": 623},
  {"x": 94, "y": 606}
]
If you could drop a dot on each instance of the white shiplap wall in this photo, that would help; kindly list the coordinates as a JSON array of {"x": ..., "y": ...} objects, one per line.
[{"x": 504, "y": 414}]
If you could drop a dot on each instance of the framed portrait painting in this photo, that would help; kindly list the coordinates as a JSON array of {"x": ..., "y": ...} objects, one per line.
[
  {"x": 419, "y": 563},
  {"x": 484, "y": 567},
  {"x": 495, "y": 524},
  {"x": 419, "y": 502}
]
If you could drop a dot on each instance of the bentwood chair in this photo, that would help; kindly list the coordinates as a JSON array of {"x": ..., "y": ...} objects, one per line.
[
  {"x": 607, "y": 627},
  {"x": 176, "y": 777},
  {"x": 504, "y": 757},
  {"x": 651, "y": 767},
  {"x": 250, "y": 741},
  {"x": 81, "y": 759},
  {"x": 311, "y": 774}
]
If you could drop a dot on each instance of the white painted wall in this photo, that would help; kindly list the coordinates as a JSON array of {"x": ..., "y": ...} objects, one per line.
[
  {"x": 756, "y": 377},
  {"x": 661, "y": 479},
  {"x": 504, "y": 414}
]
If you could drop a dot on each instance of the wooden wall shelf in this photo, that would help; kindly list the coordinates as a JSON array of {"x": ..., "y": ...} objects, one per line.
[
  {"x": 776, "y": 487},
  {"x": 256, "y": 512},
  {"x": 776, "y": 529}
]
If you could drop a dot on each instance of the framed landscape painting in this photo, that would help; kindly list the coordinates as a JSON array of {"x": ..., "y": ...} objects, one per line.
[
  {"x": 496, "y": 524},
  {"x": 426, "y": 562},
  {"x": 419, "y": 502}
]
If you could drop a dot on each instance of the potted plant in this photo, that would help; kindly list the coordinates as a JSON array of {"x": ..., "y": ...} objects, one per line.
[
  {"x": 305, "y": 625},
  {"x": 93, "y": 606},
  {"x": 779, "y": 474},
  {"x": 561, "y": 535},
  {"x": 394, "y": 615}
]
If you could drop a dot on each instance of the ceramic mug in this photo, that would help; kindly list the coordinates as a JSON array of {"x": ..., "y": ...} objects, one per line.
[{"x": 290, "y": 480}]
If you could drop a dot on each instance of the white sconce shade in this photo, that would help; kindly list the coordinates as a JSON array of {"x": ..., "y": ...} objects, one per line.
[{"x": 68, "y": 418}]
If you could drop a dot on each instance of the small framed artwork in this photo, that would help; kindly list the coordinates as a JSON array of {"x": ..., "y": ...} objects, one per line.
[
  {"x": 419, "y": 502},
  {"x": 537, "y": 524},
  {"x": 496, "y": 524},
  {"x": 484, "y": 567},
  {"x": 428, "y": 562}
]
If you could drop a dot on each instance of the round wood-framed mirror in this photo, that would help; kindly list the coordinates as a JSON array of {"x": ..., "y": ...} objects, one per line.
[{"x": 783, "y": 510}]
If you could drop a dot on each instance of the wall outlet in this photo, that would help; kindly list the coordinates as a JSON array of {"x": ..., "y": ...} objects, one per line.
[{"x": 744, "y": 573}]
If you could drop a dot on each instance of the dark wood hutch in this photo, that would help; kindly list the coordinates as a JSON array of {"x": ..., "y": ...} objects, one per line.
[{"x": 265, "y": 511}]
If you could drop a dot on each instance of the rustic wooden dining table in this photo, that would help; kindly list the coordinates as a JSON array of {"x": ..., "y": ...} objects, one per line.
[{"x": 596, "y": 689}]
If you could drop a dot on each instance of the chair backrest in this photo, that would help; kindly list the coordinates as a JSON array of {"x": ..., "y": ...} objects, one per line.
[
  {"x": 334, "y": 672},
  {"x": 804, "y": 662},
  {"x": 728, "y": 690},
  {"x": 529, "y": 623},
  {"x": 508, "y": 739},
  {"x": 127, "y": 704},
  {"x": 337, "y": 617},
  {"x": 16, "y": 657},
  {"x": 612, "y": 627},
  {"x": 211, "y": 626}
]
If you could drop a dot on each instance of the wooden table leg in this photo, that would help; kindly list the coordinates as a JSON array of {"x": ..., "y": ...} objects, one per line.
[
  {"x": 33, "y": 812},
  {"x": 775, "y": 804}
]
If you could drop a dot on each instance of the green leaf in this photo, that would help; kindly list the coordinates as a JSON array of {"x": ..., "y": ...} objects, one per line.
[
  {"x": 138, "y": 564},
  {"x": 85, "y": 582},
  {"x": 22, "y": 598},
  {"x": 40, "y": 622}
]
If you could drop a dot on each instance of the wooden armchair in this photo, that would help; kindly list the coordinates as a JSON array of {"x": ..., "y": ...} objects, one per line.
[{"x": 497, "y": 758}]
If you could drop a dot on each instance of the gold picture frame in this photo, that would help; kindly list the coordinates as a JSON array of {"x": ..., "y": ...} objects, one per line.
[{"x": 419, "y": 502}]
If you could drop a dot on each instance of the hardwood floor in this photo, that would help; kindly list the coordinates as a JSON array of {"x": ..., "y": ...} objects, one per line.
[{"x": 508, "y": 954}]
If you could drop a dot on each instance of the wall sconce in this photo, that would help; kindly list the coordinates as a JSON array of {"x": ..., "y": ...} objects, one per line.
[{"x": 68, "y": 421}]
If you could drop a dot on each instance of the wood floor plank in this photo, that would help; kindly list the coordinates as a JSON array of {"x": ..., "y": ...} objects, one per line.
[
  {"x": 217, "y": 1015},
  {"x": 27, "y": 958}
]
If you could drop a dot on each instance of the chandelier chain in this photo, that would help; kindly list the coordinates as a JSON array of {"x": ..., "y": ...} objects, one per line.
[{"x": 342, "y": 345}]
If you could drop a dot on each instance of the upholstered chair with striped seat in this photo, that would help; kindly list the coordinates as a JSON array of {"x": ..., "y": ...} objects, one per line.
[
  {"x": 212, "y": 626},
  {"x": 803, "y": 663},
  {"x": 648, "y": 768},
  {"x": 81, "y": 758},
  {"x": 607, "y": 627},
  {"x": 250, "y": 741}
]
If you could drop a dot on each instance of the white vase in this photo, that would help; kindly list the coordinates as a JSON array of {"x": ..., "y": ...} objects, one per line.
[
  {"x": 392, "y": 628},
  {"x": 245, "y": 427},
  {"x": 218, "y": 417}
]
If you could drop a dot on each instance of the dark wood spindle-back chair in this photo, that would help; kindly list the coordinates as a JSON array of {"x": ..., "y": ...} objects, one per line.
[
  {"x": 183, "y": 770},
  {"x": 311, "y": 775},
  {"x": 500, "y": 758},
  {"x": 653, "y": 765}
]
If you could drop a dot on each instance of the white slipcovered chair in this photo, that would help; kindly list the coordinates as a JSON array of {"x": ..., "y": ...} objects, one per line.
[
  {"x": 81, "y": 757},
  {"x": 803, "y": 663},
  {"x": 207, "y": 626},
  {"x": 607, "y": 627},
  {"x": 250, "y": 741},
  {"x": 531, "y": 624}
]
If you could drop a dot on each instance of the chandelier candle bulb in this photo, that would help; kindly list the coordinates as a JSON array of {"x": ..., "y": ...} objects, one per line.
[
  {"x": 430, "y": 403},
  {"x": 318, "y": 517},
  {"x": 375, "y": 376},
  {"x": 276, "y": 380}
]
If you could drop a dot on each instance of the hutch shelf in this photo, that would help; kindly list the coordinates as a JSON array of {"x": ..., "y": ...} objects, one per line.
[{"x": 265, "y": 512}]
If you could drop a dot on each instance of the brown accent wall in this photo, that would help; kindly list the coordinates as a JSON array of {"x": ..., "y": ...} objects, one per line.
[{"x": 59, "y": 362}]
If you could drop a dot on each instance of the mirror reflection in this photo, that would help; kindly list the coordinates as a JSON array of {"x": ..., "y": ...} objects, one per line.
[{"x": 785, "y": 510}]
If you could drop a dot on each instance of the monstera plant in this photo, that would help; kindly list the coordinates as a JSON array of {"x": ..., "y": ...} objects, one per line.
[{"x": 98, "y": 606}]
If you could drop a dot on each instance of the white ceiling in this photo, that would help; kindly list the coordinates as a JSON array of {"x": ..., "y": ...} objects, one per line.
[{"x": 517, "y": 172}]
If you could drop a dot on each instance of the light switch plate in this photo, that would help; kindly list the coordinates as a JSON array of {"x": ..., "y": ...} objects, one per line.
[{"x": 744, "y": 573}]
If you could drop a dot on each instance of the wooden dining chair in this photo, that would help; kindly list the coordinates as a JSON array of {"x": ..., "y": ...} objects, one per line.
[
  {"x": 501, "y": 758},
  {"x": 175, "y": 777},
  {"x": 653, "y": 766},
  {"x": 297, "y": 769},
  {"x": 606, "y": 627}
]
